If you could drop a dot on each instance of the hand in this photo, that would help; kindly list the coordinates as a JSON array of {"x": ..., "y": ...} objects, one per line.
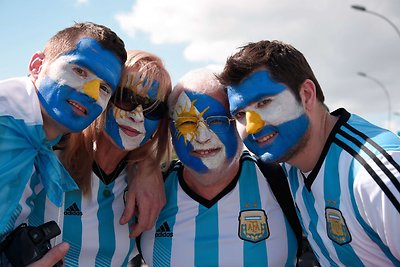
[
  {"x": 145, "y": 197},
  {"x": 53, "y": 256}
]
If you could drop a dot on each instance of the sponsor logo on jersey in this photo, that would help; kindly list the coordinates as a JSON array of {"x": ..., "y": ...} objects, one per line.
[
  {"x": 73, "y": 210},
  {"x": 253, "y": 225},
  {"x": 336, "y": 226},
  {"x": 164, "y": 231}
]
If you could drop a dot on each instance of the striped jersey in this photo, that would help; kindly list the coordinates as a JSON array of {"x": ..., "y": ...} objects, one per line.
[
  {"x": 25, "y": 152},
  {"x": 349, "y": 203},
  {"x": 241, "y": 226},
  {"x": 91, "y": 225}
]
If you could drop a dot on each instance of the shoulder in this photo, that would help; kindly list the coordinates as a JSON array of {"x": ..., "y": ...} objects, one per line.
[{"x": 18, "y": 99}]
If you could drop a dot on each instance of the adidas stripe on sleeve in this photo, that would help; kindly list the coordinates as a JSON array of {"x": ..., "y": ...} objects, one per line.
[{"x": 349, "y": 203}]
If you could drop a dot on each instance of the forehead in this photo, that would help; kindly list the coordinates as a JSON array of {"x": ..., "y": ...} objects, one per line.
[
  {"x": 90, "y": 54},
  {"x": 200, "y": 101},
  {"x": 256, "y": 86}
]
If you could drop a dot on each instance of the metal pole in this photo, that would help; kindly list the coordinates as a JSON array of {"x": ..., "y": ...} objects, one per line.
[{"x": 363, "y": 74}]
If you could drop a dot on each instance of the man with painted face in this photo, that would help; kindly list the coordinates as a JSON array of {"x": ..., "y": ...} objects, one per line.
[
  {"x": 101, "y": 160},
  {"x": 69, "y": 85},
  {"x": 220, "y": 210},
  {"x": 343, "y": 171}
]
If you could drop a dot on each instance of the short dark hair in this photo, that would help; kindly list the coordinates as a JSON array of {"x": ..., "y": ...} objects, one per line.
[
  {"x": 284, "y": 62},
  {"x": 66, "y": 39}
]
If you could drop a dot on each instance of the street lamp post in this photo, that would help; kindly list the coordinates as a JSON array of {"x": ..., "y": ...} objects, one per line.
[
  {"x": 364, "y": 9},
  {"x": 363, "y": 74}
]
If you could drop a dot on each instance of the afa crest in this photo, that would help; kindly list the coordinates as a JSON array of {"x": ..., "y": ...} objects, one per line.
[
  {"x": 336, "y": 227},
  {"x": 253, "y": 225}
]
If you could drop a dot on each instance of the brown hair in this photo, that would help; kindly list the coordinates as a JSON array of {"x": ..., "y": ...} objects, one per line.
[
  {"x": 284, "y": 62},
  {"x": 66, "y": 39},
  {"x": 77, "y": 149}
]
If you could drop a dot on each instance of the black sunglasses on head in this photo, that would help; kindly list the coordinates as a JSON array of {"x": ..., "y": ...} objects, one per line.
[{"x": 125, "y": 99}]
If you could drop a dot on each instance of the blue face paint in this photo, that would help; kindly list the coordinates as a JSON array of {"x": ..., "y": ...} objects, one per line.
[
  {"x": 283, "y": 117},
  {"x": 131, "y": 129},
  {"x": 61, "y": 92},
  {"x": 199, "y": 107},
  {"x": 102, "y": 62},
  {"x": 288, "y": 136},
  {"x": 256, "y": 86}
]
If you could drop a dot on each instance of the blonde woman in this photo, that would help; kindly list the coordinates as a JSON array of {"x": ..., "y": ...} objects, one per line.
[{"x": 132, "y": 132}]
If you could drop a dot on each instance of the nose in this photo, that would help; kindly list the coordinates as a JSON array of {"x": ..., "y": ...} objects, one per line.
[
  {"x": 203, "y": 135},
  {"x": 92, "y": 89},
  {"x": 254, "y": 122}
]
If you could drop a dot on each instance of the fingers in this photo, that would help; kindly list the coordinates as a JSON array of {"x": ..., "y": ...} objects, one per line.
[
  {"x": 53, "y": 256},
  {"x": 130, "y": 205}
]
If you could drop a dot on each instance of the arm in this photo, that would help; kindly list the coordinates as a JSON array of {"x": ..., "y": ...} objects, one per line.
[{"x": 145, "y": 197}]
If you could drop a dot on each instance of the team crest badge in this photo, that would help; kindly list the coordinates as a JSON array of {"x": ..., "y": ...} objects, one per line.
[
  {"x": 336, "y": 226},
  {"x": 253, "y": 225}
]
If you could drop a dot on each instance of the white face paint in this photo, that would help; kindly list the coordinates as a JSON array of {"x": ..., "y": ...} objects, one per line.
[
  {"x": 130, "y": 127},
  {"x": 273, "y": 110},
  {"x": 206, "y": 144},
  {"x": 66, "y": 73}
]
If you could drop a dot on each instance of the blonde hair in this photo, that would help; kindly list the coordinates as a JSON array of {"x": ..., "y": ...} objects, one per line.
[{"x": 77, "y": 148}]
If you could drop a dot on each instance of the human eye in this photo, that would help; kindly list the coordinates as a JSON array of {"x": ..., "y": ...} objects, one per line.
[
  {"x": 264, "y": 102},
  {"x": 81, "y": 72},
  {"x": 105, "y": 88},
  {"x": 240, "y": 116},
  {"x": 216, "y": 120},
  {"x": 186, "y": 124}
]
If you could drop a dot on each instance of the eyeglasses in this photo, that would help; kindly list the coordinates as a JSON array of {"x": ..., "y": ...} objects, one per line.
[
  {"x": 125, "y": 99},
  {"x": 217, "y": 124}
]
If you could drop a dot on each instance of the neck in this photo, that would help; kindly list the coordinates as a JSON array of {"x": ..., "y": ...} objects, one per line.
[
  {"x": 108, "y": 155},
  {"x": 209, "y": 185},
  {"x": 321, "y": 126}
]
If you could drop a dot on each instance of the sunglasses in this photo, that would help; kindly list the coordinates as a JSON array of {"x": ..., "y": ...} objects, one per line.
[{"x": 125, "y": 99}]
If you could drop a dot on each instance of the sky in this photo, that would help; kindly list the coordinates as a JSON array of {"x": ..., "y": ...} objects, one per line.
[{"x": 338, "y": 41}]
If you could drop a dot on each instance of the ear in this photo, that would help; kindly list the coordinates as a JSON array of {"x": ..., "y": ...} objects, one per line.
[
  {"x": 308, "y": 94},
  {"x": 35, "y": 65}
]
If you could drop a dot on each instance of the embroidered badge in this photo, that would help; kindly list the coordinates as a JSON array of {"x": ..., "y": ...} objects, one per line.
[
  {"x": 253, "y": 225},
  {"x": 336, "y": 226}
]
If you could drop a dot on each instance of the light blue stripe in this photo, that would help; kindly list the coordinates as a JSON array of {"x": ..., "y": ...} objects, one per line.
[
  {"x": 205, "y": 248},
  {"x": 106, "y": 230},
  {"x": 332, "y": 194},
  {"x": 292, "y": 245},
  {"x": 250, "y": 194},
  {"x": 163, "y": 246},
  {"x": 36, "y": 217},
  {"x": 72, "y": 229},
  {"x": 355, "y": 166}
]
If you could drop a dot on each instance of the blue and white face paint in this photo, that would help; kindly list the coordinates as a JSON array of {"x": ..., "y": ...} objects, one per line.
[
  {"x": 271, "y": 121},
  {"x": 131, "y": 129},
  {"x": 196, "y": 145},
  {"x": 77, "y": 85}
]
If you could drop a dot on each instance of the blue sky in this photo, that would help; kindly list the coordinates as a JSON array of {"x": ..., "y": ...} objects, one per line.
[{"x": 337, "y": 41}]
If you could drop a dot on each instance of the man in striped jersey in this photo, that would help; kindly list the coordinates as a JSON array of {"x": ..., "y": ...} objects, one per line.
[
  {"x": 220, "y": 210},
  {"x": 343, "y": 171},
  {"x": 69, "y": 85}
]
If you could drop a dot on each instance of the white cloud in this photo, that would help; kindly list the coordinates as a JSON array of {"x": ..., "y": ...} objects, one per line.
[
  {"x": 337, "y": 41},
  {"x": 79, "y": 3}
]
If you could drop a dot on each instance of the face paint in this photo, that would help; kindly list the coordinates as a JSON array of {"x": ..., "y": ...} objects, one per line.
[
  {"x": 131, "y": 129},
  {"x": 196, "y": 145},
  {"x": 76, "y": 87},
  {"x": 271, "y": 121}
]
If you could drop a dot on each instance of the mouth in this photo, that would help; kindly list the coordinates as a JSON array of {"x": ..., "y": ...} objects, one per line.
[
  {"x": 78, "y": 108},
  {"x": 266, "y": 139},
  {"x": 203, "y": 153},
  {"x": 129, "y": 131}
]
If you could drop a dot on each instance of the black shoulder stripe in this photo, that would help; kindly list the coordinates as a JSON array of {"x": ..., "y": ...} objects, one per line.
[
  {"x": 373, "y": 174},
  {"x": 378, "y": 162}
]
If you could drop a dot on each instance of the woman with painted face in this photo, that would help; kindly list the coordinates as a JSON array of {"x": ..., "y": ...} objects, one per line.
[{"x": 134, "y": 127}]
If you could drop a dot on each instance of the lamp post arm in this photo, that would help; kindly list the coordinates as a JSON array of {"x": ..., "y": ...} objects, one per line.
[{"x": 385, "y": 18}]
